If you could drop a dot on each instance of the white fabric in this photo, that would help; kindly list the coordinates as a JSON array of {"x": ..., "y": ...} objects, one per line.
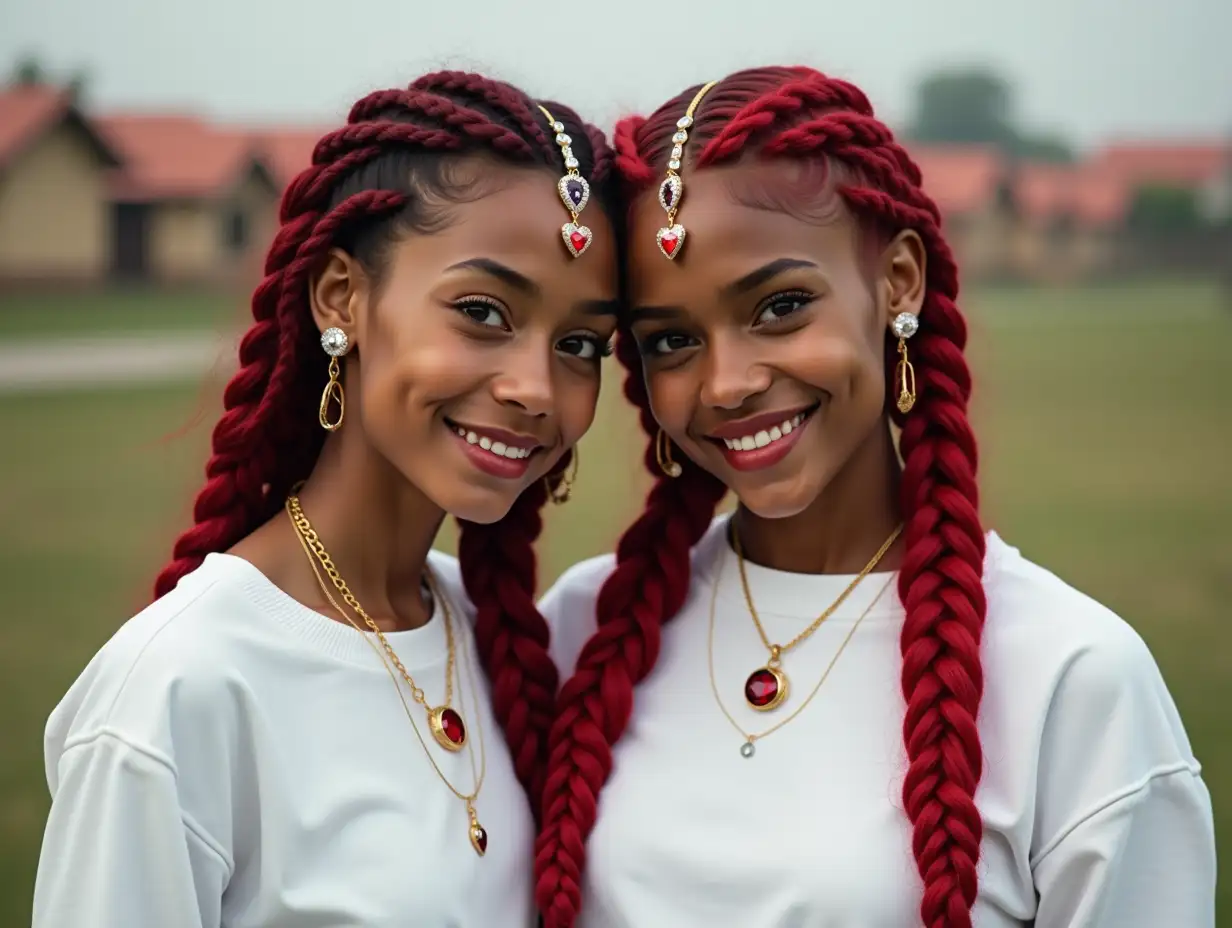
[
  {"x": 232, "y": 758},
  {"x": 1094, "y": 811}
]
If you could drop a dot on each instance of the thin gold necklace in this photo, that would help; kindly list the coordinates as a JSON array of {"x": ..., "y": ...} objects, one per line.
[
  {"x": 747, "y": 749},
  {"x": 445, "y": 722},
  {"x": 766, "y": 688},
  {"x": 476, "y": 832}
]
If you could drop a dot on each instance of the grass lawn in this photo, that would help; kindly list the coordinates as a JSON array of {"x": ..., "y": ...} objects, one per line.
[
  {"x": 49, "y": 315},
  {"x": 1103, "y": 457}
]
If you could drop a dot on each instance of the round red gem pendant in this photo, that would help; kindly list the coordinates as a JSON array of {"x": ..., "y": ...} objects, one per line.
[
  {"x": 447, "y": 728},
  {"x": 765, "y": 689},
  {"x": 479, "y": 839}
]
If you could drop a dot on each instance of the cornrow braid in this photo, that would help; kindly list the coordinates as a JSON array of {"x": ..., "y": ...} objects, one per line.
[
  {"x": 798, "y": 113},
  {"x": 363, "y": 188}
]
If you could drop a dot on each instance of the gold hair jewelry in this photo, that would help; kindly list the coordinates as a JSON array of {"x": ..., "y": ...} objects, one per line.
[
  {"x": 747, "y": 749},
  {"x": 663, "y": 454},
  {"x": 905, "y": 325},
  {"x": 766, "y": 687},
  {"x": 671, "y": 236},
  {"x": 573, "y": 189},
  {"x": 336, "y": 344},
  {"x": 560, "y": 492},
  {"x": 309, "y": 541}
]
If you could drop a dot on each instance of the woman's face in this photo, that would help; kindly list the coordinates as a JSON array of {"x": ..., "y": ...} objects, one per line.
[
  {"x": 475, "y": 365},
  {"x": 763, "y": 343}
]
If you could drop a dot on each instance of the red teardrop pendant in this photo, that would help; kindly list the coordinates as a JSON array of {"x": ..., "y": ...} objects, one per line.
[{"x": 766, "y": 688}]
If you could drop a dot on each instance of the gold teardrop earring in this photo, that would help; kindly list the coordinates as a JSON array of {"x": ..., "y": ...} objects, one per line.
[
  {"x": 559, "y": 494},
  {"x": 663, "y": 454},
  {"x": 335, "y": 343},
  {"x": 905, "y": 325}
]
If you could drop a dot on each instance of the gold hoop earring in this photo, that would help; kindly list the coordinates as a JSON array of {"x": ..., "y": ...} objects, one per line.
[
  {"x": 335, "y": 343},
  {"x": 559, "y": 494},
  {"x": 663, "y": 454},
  {"x": 905, "y": 325}
]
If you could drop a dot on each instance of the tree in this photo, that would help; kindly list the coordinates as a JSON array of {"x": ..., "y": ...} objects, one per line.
[
  {"x": 976, "y": 105},
  {"x": 973, "y": 105},
  {"x": 29, "y": 72}
]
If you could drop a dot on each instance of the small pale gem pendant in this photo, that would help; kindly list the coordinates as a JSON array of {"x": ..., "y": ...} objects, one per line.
[
  {"x": 747, "y": 750},
  {"x": 766, "y": 688},
  {"x": 447, "y": 728},
  {"x": 477, "y": 833}
]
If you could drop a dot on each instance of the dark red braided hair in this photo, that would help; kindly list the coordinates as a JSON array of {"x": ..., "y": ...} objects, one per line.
[
  {"x": 801, "y": 114},
  {"x": 364, "y": 189}
]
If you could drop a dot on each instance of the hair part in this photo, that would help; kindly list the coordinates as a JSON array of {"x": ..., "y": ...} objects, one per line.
[
  {"x": 402, "y": 163},
  {"x": 801, "y": 115}
]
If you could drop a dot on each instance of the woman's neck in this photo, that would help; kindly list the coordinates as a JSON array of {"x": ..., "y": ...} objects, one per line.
[
  {"x": 376, "y": 527},
  {"x": 843, "y": 527}
]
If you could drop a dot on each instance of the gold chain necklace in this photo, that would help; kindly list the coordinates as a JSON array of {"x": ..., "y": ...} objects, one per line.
[
  {"x": 446, "y": 723},
  {"x": 747, "y": 749},
  {"x": 305, "y": 535},
  {"x": 766, "y": 687}
]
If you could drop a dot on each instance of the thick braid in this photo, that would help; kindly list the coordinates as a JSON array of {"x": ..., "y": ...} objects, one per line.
[
  {"x": 497, "y": 95},
  {"x": 376, "y": 107},
  {"x": 809, "y": 93},
  {"x": 636, "y": 171},
  {"x": 940, "y": 581},
  {"x": 648, "y": 586},
  {"x": 243, "y": 462},
  {"x": 499, "y": 569}
]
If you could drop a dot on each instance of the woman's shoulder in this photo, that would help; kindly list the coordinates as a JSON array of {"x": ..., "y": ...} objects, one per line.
[{"x": 172, "y": 659}]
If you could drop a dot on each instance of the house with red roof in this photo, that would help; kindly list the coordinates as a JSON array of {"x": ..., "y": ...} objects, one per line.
[
  {"x": 55, "y": 201},
  {"x": 192, "y": 201}
]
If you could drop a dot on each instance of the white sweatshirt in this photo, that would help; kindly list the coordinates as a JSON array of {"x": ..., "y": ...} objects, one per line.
[
  {"x": 1095, "y": 815},
  {"x": 232, "y": 758}
]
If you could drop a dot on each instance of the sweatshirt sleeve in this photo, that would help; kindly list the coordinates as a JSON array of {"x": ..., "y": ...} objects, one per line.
[
  {"x": 118, "y": 849},
  {"x": 1125, "y": 824},
  {"x": 1145, "y": 860}
]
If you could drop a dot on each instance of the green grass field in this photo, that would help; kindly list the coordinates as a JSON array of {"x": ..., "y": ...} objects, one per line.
[{"x": 1104, "y": 424}]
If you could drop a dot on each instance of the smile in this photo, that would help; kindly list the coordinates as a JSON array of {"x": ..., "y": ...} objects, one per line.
[
  {"x": 494, "y": 451},
  {"x": 761, "y": 441},
  {"x": 766, "y": 436}
]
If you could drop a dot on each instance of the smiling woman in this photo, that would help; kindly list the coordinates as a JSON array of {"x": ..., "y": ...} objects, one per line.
[
  {"x": 799, "y": 746},
  {"x": 298, "y": 730}
]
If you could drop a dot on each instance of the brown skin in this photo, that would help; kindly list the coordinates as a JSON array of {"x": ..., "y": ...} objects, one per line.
[
  {"x": 722, "y": 342},
  {"x": 474, "y": 345}
]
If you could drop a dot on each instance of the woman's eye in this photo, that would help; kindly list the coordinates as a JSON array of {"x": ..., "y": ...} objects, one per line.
[
  {"x": 666, "y": 343},
  {"x": 484, "y": 312},
  {"x": 586, "y": 347},
  {"x": 782, "y": 305}
]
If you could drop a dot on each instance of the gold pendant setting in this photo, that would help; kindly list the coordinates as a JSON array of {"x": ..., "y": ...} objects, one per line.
[
  {"x": 766, "y": 688},
  {"x": 447, "y": 728},
  {"x": 478, "y": 835}
]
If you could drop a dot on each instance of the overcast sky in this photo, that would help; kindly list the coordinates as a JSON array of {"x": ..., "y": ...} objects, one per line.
[{"x": 1093, "y": 69}]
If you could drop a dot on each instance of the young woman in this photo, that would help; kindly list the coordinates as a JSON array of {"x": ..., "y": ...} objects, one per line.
[
  {"x": 298, "y": 731},
  {"x": 866, "y": 711}
]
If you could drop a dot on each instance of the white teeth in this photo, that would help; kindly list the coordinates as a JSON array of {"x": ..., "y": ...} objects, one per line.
[
  {"x": 763, "y": 438},
  {"x": 498, "y": 448}
]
